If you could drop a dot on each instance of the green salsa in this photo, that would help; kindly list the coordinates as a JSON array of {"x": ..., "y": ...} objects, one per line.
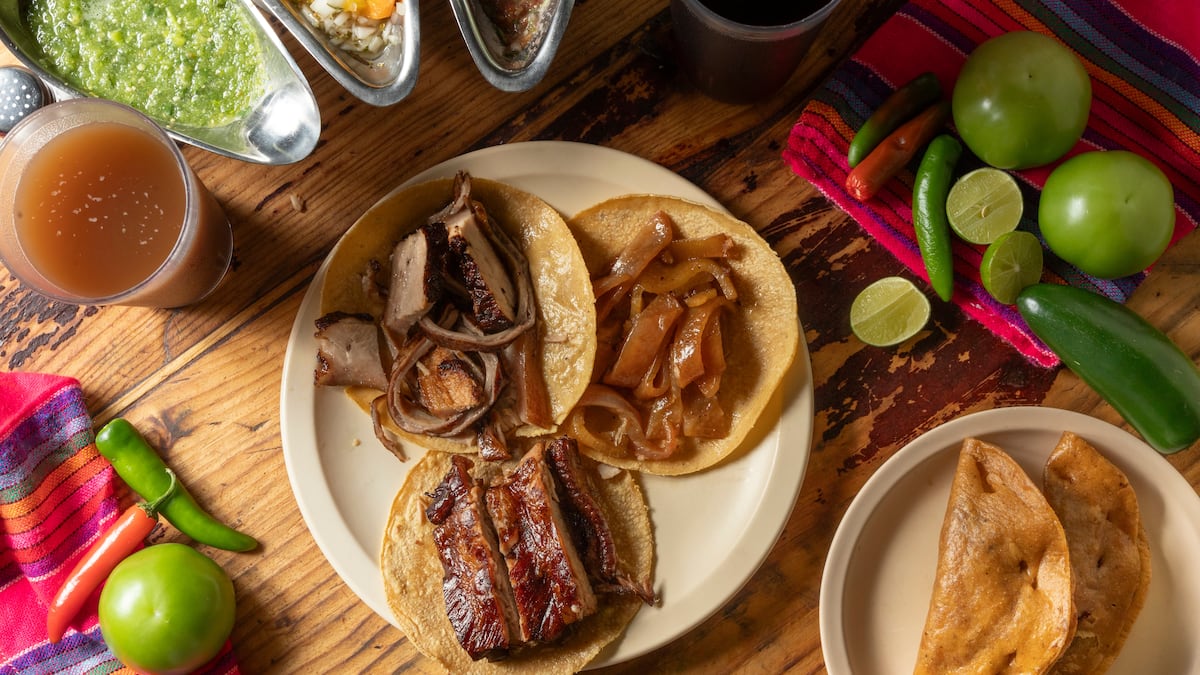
[{"x": 185, "y": 62}]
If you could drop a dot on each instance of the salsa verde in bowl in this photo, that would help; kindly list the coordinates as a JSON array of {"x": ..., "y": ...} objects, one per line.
[{"x": 211, "y": 72}]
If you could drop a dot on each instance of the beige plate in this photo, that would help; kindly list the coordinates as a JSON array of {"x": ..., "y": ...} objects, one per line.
[
  {"x": 879, "y": 574},
  {"x": 344, "y": 481}
]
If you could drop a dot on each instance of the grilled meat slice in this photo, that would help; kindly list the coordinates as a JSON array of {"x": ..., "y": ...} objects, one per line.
[
  {"x": 549, "y": 583},
  {"x": 474, "y": 585},
  {"x": 416, "y": 281},
  {"x": 447, "y": 384},
  {"x": 588, "y": 524},
  {"x": 488, "y": 283},
  {"x": 348, "y": 353}
]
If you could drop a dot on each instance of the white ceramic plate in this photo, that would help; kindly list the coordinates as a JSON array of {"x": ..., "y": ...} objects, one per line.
[
  {"x": 879, "y": 574},
  {"x": 713, "y": 528}
]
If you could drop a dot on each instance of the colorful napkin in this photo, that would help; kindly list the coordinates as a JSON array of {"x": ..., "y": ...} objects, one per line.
[
  {"x": 1142, "y": 58},
  {"x": 56, "y": 497}
]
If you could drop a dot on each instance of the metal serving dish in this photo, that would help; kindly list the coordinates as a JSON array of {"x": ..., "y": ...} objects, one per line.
[
  {"x": 382, "y": 80},
  {"x": 281, "y": 127},
  {"x": 512, "y": 67}
]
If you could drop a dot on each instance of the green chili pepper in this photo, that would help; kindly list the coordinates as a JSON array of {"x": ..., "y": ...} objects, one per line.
[
  {"x": 1132, "y": 364},
  {"x": 930, "y": 188},
  {"x": 145, "y": 472},
  {"x": 901, "y": 106}
]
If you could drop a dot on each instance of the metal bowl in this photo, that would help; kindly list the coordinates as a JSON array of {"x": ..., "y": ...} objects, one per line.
[
  {"x": 281, "y": 127},
  {"x": 381, "y": 80},
  {"x": 510, "y": 67}
]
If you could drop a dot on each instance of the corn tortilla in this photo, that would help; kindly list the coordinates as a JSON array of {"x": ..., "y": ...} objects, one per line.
[
  {"x": 1002, "y": 596},
  {"x": 761, "y": 339},
  {"x": 412, "y": 578},
  {"x": 565, "y": 306},
  {"x": 1110, "y": 554}
]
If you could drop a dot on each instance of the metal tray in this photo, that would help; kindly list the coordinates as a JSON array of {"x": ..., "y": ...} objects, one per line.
[
  {"x": 282, "y": 127},
  {"x": 505, "y": 67},
  {"x": 380, "y": 81}
]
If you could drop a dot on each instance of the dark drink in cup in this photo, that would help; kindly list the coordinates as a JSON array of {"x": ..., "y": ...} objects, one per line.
[{"x": 741, "y": 51}]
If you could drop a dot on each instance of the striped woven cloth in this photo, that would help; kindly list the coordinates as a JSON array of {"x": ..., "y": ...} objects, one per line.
[
  {"x": 1142, "y": 58},
  {"x": 56, "y": 497}
]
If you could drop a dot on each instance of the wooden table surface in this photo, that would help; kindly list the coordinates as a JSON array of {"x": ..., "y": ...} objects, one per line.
[{"x": 204, "y": 382}]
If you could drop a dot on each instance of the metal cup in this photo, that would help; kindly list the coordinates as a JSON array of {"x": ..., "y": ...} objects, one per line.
[{"x": 740, "y": 62}]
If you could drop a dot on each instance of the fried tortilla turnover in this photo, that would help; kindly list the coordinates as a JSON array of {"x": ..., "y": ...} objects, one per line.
[
  {"x": 1110, "y": 555},
  {"x": 1002, "y": 596}
]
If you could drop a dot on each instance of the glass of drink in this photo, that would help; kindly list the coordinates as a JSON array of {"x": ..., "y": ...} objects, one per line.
[
  {"x": 741, "y": 51},
  {"x": 99, "y": 207}
]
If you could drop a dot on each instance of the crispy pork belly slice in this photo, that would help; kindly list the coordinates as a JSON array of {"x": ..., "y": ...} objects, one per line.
[
  {"x": 416, "y": 281},
  {"x": 474, "y": 586},
  {"x": 447, "y": 384},
  {"x": 549, "y": 583},
  {"x": 488, "y": 283},
  {"x": 589, "y": 527},
  {"x": 348, "y": 353}
]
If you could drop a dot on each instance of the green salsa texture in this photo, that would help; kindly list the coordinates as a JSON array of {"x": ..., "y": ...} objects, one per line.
[{"x": 184, "y": 62}]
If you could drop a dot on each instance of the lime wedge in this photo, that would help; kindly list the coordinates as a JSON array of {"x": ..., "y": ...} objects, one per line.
[
  {"x": 1011, "y": 263},
  {"x": 888, "y": 312},
  {"x": 984, "y": 204}
]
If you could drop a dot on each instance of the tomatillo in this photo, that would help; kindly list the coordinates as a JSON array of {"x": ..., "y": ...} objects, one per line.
[
  {"x": 1021, "y": 100},
  {"x": 1109, "y": 213},
  {"x": 167, "y": 609}
]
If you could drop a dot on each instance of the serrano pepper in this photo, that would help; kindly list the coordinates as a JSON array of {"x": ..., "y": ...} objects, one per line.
[
  {"x": 901, "y": 106},
  {"x": 929, "y": 212},
  {"x": 143, "y": 470},
  {"x": 895, "y": 151},
  {"x": 122, "y": 539}
]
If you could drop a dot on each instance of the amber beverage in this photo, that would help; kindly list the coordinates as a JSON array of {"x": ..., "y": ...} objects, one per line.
[{"x": 101, "y": 208}]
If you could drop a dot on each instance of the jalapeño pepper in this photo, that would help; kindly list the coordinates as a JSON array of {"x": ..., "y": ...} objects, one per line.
[
  {"x": 1132, "y": 364},
  {"x": 145, "y": 472}
]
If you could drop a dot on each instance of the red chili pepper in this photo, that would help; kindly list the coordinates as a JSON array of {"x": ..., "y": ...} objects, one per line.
[
  {"x": 130, "y": 530},
  {"x": 886, "y": 160}
]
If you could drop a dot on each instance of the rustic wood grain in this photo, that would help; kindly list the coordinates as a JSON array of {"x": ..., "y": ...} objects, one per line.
[{"x": 204, "y": 381}]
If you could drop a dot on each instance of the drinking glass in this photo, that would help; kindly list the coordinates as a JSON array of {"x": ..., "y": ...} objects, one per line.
[
  {"x": 63, "y": 159},
  {"x": 741, "y": 51}
]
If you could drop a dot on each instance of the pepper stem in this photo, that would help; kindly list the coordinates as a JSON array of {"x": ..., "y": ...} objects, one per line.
[{"x": 151, "y": 507}]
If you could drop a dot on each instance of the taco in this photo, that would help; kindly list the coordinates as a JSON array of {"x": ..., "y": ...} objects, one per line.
[
  {"x": 1002, "y": 593},
  {"x": 697, "y": 325},
  {"x": 537, "y": 566},
  {"x": 1109, "y": 551},
  {"x": 458, "y": 313}
]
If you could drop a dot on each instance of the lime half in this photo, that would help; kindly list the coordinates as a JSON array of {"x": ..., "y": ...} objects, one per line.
[
  {"x": 889, "y": 312},
  {"x": 984, "y": 204},
  {"x": 1011, "y": 263}
]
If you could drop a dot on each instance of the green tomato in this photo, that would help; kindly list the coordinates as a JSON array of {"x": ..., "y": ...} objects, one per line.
[
  {"x": 1021, "y": 100},
  {"x": 1110, "y": 214},
  {"x": 166, "y": 609}
]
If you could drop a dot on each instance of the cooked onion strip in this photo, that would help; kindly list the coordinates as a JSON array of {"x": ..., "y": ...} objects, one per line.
[
  {"x": 649, "y": 332},
  {"x": 642, "y": 249},
  {"x": 659, "y": 368}
]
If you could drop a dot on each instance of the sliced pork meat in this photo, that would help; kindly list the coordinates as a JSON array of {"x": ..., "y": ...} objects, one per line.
[
  {"x": 589, "y": 526},
  {"x": 348, "y": 353},
  {"x": 416, "y": 281},
  {"x": 447, "y": 384},
  {"x": 550, "y": 585},
  {"x": 474, "y": 584},
  {"x": 488, "y": 284},
  {"x": 454, "y": 301}
]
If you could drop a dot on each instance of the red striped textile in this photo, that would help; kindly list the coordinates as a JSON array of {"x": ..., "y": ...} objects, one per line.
[
  {"x": 56, "y": 498},
  {"x": 1142, "y": 56}
]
